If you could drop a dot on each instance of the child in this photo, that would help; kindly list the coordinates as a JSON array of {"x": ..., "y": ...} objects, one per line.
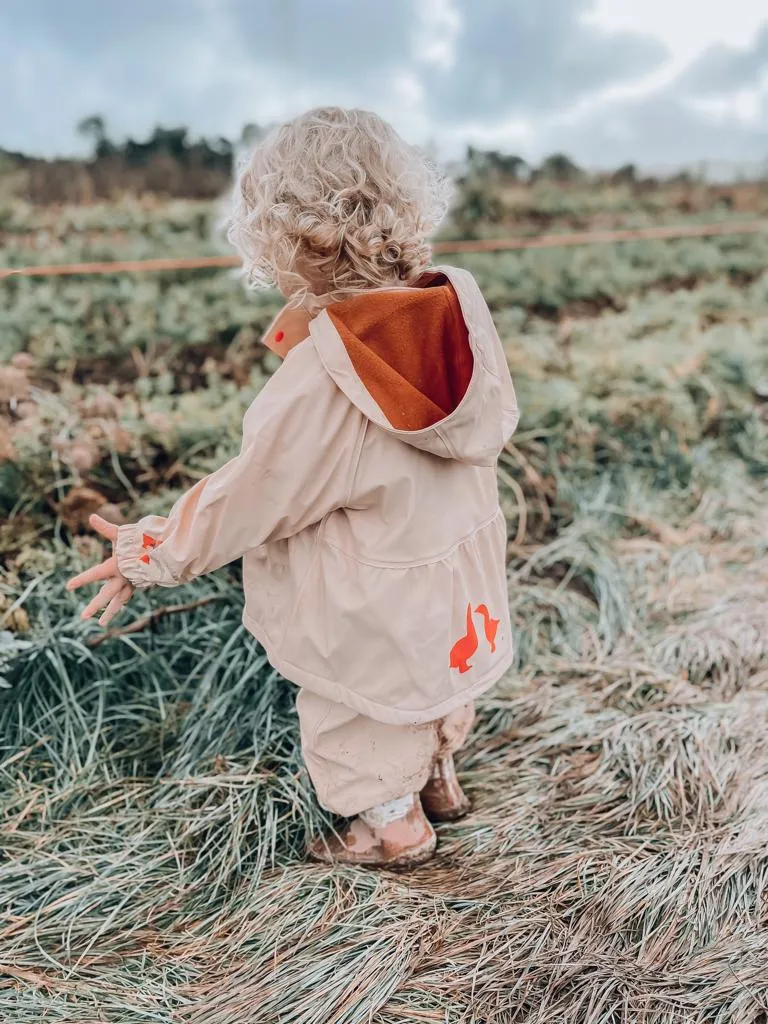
[{"x": 364, "y": 500}]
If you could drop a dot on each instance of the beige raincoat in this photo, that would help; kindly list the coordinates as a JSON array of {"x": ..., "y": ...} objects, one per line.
[{"x": 364, "y": 504}]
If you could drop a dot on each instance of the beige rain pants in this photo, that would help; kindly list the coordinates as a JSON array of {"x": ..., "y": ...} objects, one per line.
[{"x": 356, "y": 763}]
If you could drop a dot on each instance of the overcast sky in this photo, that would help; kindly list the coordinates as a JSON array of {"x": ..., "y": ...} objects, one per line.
[{"x": 658, "y": 82}]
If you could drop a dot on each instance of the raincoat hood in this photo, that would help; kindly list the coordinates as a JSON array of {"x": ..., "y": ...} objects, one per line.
[{"x": 425, "y": 364}]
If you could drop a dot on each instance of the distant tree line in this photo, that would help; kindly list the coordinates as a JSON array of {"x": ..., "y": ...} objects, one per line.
[
  {"x": 559, "y": 167},
  {"x": 167, "y": 163},
  {"x": 170, "y": 162},
  {"x": 173, "y": 143}
]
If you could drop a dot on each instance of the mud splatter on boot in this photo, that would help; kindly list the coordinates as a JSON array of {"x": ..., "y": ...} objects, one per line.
[
  {"x": 380, "y": 840},
  {"x": 443, "y": 798}
]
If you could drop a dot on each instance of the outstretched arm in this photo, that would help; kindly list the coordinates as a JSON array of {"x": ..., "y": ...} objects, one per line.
[{"x": 296, "y": 464}]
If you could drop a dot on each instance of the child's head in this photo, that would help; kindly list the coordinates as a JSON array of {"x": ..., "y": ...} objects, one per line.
[{"x": 334, "y": 203}]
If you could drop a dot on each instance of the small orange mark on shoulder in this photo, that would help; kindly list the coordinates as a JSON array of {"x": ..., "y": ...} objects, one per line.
[
  {"x": 144, "y": 559},
  {"x": 279, "y": 336}
]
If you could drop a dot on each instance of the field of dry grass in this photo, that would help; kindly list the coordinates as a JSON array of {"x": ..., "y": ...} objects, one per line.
[{"x": 153, "y": 805}]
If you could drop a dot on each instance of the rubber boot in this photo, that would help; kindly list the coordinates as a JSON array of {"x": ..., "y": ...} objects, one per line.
[
  {"x": 399, "y": 844},
  {"x": 443, "y": 798}
]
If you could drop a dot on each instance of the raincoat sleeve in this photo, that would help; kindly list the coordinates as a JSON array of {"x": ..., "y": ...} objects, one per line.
[{"x": 296, "y": 464}]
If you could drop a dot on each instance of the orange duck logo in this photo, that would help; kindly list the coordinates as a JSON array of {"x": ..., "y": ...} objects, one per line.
[
  {"x": 491, "y": 626},
  {"x": 467, "y": 645}
]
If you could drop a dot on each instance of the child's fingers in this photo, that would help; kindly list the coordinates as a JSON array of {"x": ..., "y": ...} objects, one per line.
[
  {"x": 116, "y": 604},
  {"x": 103, "y": 526},
  {"x": 103, "y": 571},
  {"x": 104, "y": 596}
]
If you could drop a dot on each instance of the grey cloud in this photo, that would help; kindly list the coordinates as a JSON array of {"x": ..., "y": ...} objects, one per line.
[
  {"x": 723, "y": 69},
  {"x": 336, "y": 40},
  {"x": 94, "y": 30},
  {"x": 669, "y": 128},
  {"x": 517, "y": 57},
  {"x": 660, "y": 131}
]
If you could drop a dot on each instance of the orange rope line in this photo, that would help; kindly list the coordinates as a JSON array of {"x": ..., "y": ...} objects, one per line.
[
  {"x": 111, "y": 267},
  {"x": 474, "y": 245},
  {"x": 592, "y": 237}
]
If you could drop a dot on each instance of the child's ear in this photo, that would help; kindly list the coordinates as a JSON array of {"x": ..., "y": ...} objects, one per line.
[{"x": 289, "y": 327}]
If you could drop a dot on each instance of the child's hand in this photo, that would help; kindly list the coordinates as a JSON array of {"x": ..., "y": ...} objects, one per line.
[{"x": 117, "y": 591}]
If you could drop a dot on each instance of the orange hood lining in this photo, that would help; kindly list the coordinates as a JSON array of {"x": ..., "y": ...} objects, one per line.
[{"x": 410, "y": 348}]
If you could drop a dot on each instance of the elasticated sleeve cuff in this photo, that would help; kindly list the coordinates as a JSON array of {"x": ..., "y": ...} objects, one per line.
[{"x": 134, "y": 560}]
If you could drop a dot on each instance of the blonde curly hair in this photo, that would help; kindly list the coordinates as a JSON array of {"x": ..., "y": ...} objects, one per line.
[{"x": 334, "y": 203}]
